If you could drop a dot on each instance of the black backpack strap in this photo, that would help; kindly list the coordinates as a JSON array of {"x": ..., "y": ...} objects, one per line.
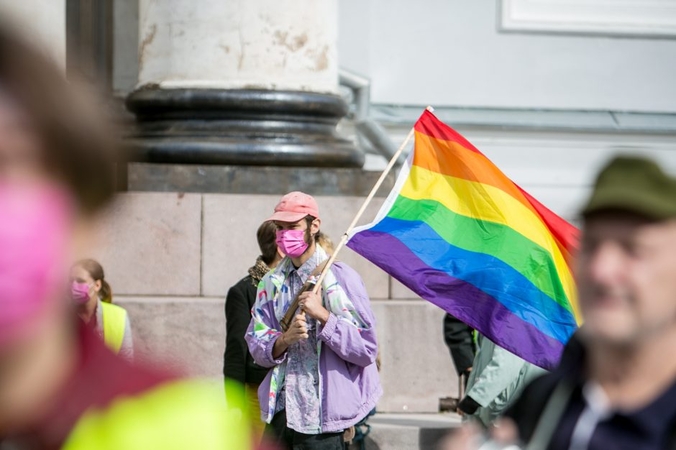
[{"x": 551, "y": 415}]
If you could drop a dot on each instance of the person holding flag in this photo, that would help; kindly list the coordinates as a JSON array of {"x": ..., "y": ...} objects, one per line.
[{"x": 321, "y": 346}]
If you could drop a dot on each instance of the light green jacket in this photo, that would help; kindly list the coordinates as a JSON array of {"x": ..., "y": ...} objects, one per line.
[{"x": 497, "y": 379}]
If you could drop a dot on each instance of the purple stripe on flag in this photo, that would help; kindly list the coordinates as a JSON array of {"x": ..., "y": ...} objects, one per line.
[{"x": 459, "y": 298}]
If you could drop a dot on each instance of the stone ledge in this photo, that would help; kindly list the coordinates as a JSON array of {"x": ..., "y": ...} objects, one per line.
[
  {"x": 253, "y": 180},
  {"x": 409, "y": 431}
]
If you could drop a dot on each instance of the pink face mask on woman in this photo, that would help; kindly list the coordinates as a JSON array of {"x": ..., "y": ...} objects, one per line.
[
  {"x": 35, "y": 226},
  {"x": 79, "y": 292},
  {"x": 291, "y": 242}
]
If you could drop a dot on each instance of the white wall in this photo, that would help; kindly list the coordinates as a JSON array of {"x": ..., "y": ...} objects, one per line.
[{"x": 449, "y": 53}]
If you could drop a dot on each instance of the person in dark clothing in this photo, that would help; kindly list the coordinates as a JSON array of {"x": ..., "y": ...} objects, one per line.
[
  {"x": 616, "y": 384},
  {"x": 458, "y": 337},
  {"x": 238, "y": 364},
  {"x": 651, "y": 426}
]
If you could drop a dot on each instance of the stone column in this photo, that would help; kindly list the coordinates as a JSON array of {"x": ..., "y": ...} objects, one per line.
[
  {"x": 240, "y": 82},
  {"x": 41, "y": 22}
]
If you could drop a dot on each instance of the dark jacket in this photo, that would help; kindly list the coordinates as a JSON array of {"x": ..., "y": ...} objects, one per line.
[
  {"x": 237, "y": 361},
  {"x": 568, "y": 378}
]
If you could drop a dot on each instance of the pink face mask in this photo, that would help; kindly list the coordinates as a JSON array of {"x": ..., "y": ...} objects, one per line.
[
  {"x": 291, "y": 242},
  {"x": 79, "y": 292},
  {"x": 35, "y": 226}
]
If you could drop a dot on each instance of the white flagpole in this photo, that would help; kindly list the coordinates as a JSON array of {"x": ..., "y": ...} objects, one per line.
[{"x": 380, "y": 181}]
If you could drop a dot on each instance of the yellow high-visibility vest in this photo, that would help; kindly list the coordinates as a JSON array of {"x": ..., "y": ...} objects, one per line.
[
  {"x": 178, "y": 415},
  {"x": 114, "y": 324}
]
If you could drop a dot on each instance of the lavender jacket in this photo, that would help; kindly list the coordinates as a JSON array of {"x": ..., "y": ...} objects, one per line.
[{"x": 348, "y": 377}]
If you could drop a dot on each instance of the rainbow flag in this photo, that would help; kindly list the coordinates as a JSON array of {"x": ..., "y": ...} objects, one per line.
[{"x": 460, "y": 234}]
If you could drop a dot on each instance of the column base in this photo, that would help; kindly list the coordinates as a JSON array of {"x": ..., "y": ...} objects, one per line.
[{"x": 240, "y": 127}]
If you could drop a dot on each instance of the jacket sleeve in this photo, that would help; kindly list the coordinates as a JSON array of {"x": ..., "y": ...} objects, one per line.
[
  {"x": 262, "y": 333},
  {"x": 353, "y": 340},
  {"x": 502, "y": 370},
  {"x": 237, "y": 319},
  {"x": 127, "y": 348}
]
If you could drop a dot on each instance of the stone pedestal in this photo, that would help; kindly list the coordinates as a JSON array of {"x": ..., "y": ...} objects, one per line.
[{"x": 239, "y": 83}]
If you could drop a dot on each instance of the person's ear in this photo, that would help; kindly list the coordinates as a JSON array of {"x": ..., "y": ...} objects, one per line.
[
  {"x": 97, "y": 285},
  {"x": 314, "y": 228}
]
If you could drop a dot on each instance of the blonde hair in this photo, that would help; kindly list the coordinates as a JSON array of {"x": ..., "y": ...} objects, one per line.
[{"x": 325, "y": 242}]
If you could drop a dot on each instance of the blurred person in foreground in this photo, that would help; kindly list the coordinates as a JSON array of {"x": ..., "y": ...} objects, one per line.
[
  {"x": 60, "y": 386},
  {"x": 615, "y": 387},
  {"x": 323, "y": 376},
  {"x": 93, "y": 299},
  {"x": 238, "y": 364}
]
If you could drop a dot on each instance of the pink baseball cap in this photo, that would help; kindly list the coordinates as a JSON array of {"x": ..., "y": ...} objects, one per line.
[{"x": 294, "y": 206}]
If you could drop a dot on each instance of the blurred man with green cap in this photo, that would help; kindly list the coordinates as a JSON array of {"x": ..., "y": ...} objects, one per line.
[{"x": 616, "y": 384}]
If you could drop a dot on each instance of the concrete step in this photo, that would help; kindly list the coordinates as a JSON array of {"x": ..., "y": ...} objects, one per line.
[{"x": 408, "y": 431}]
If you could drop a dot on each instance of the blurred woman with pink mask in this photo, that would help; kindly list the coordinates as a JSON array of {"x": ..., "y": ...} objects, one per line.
[
  {"x": 93, "y": 297},
  {"x": 60, "y": 386}
]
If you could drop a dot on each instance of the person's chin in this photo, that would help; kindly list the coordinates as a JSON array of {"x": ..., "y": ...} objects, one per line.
[{"x": 606, "y": 325}]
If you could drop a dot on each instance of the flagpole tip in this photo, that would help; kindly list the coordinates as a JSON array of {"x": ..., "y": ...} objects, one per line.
[{"x": 430, "y": 109}]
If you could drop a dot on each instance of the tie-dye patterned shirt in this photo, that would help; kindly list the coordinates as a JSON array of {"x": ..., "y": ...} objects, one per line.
[
  {"x": 300, "y": 393},
  {"x": 344, "y": 350}
]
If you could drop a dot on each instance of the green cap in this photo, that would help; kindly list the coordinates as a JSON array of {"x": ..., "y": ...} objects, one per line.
[{"x": 634, "y": 184}]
